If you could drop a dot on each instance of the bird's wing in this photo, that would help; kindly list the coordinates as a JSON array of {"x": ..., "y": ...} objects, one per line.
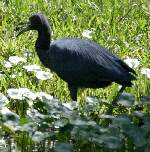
[
  {"x": 81, "y": 61},
  {"x": 76, "y": 61}
]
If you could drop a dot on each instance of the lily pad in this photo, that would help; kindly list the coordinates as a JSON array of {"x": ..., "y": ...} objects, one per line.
[
  {"x": 121, "y": 121},
  {"x": 126, "y": 99},
  {"x": 82, "y": 122},
  {"x": 10, "y": 119},
  {"x": 9, "y": 115},
  {"x": 138, "y": 114},
  {"x": 137, "y": 136},
  {"x": 111, "y": 142},
  {"x": 61, "y": 123},
  {"x": 145, "y": 100},
  {"x": 63, "y": 147}
]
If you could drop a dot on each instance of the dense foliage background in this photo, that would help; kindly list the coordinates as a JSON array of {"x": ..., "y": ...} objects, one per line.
[{"x": 36, "y": 113}]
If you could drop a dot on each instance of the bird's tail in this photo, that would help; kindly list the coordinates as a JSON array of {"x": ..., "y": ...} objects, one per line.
[
  {"x": 128, "y": 81},
  {"x": 128, "y": 76}
]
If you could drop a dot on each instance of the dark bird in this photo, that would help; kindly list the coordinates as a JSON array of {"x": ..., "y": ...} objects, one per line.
[{"x": 81, "y": 63}]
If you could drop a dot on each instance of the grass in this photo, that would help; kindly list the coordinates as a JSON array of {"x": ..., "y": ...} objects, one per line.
[
  {"x": 115, "y": 23},
  {"x": 110, "y": 19}
]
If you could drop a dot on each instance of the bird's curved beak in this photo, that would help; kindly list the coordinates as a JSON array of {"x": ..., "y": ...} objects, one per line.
[{"x": 24, "y": 29}]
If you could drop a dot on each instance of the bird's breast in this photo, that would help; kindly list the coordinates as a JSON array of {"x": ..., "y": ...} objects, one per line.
[{"x": 44, "y": 57}]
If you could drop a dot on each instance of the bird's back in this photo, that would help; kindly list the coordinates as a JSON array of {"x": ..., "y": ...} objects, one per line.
[{"x": 85, "y": 63}]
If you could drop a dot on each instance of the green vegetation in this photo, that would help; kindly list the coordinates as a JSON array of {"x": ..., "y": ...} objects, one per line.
[{"x": 32, "y": 121}]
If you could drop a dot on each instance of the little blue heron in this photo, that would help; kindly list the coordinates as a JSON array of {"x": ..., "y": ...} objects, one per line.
[{"x": 81, "y": 63}]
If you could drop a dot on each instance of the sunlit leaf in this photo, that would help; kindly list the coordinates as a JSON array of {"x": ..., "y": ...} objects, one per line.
[
  {"x": 93, "y": 99},
  {"x": 29, "y": 127},
  {"x": 35, "y": 114},
  {"x": 16, "y": 59},
  {"x": 43, "y": 95},
  {"x": 3, "y": 100},
  {"x": 7, "y": 64},
  {"x": 11, "y": 119},
  {"x": 132, "y": 62},
  {"x": 146, "y": 72},
  {"x": 9, "y": 115},
  {"x": 80, "y": 121},
  {"x": 21, "y": 93},
  {"x": 2, "y": 144},
  {"x": 2, "y": 75},
  {"x": 126, "y": 44},
  {"x": 87, "y": 34},
  {"x": 42, "y": 75},
  {"x": 38, "y": 136},
  {"x": 32, "y": 68}
]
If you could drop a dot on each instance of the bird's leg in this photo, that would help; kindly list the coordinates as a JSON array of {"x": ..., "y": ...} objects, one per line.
[
  {"x": 106, "y": 122},
  {"x": 114, "y": 102},
  {"x": 73, "y": 92}
]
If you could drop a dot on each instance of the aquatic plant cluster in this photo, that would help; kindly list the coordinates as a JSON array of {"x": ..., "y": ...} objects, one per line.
[{"x": 34, "y": 114}]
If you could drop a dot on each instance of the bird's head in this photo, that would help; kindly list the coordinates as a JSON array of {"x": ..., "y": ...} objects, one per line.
[{"x": 36, "y": 22}]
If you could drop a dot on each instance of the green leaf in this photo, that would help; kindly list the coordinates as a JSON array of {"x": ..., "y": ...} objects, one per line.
[
  {"x": 24, "y": 121},
  {"x": 92, "y": 99},
  {"x": 146, "y": 129},
  {"x": 29, "y": 127},
  {"x": 61, "y": 123},
  {"x": 107, "y": 116},
  {"x": 63, "y": 147},
  {"x": 39, "y": 136},
  {"x": 81, "y": 121},
  {"x": 145, "y": 100},
  {"x": 121, "y": 121},
  {"x": 109, "y": 141},
  {"x": 126, "y": 99},
  {"x": 10, "y": 119},
  {"x": 137, "y": 136},
  {"x": 146, "y": 120},
  {"x": 138, "y": 114},
  {"x": 3, "y": 100},
  {"x": 91, "y": 107}
]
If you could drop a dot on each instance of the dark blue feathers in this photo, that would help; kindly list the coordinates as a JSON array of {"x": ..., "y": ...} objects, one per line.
[
  {"x": 81, "y": 63},
  {"x": 86, "y": 64}
]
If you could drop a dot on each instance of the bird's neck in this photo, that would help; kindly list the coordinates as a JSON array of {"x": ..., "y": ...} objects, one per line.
[
  {"x": 44, "y": 39},
  {"x": 42, "y": 46}
]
